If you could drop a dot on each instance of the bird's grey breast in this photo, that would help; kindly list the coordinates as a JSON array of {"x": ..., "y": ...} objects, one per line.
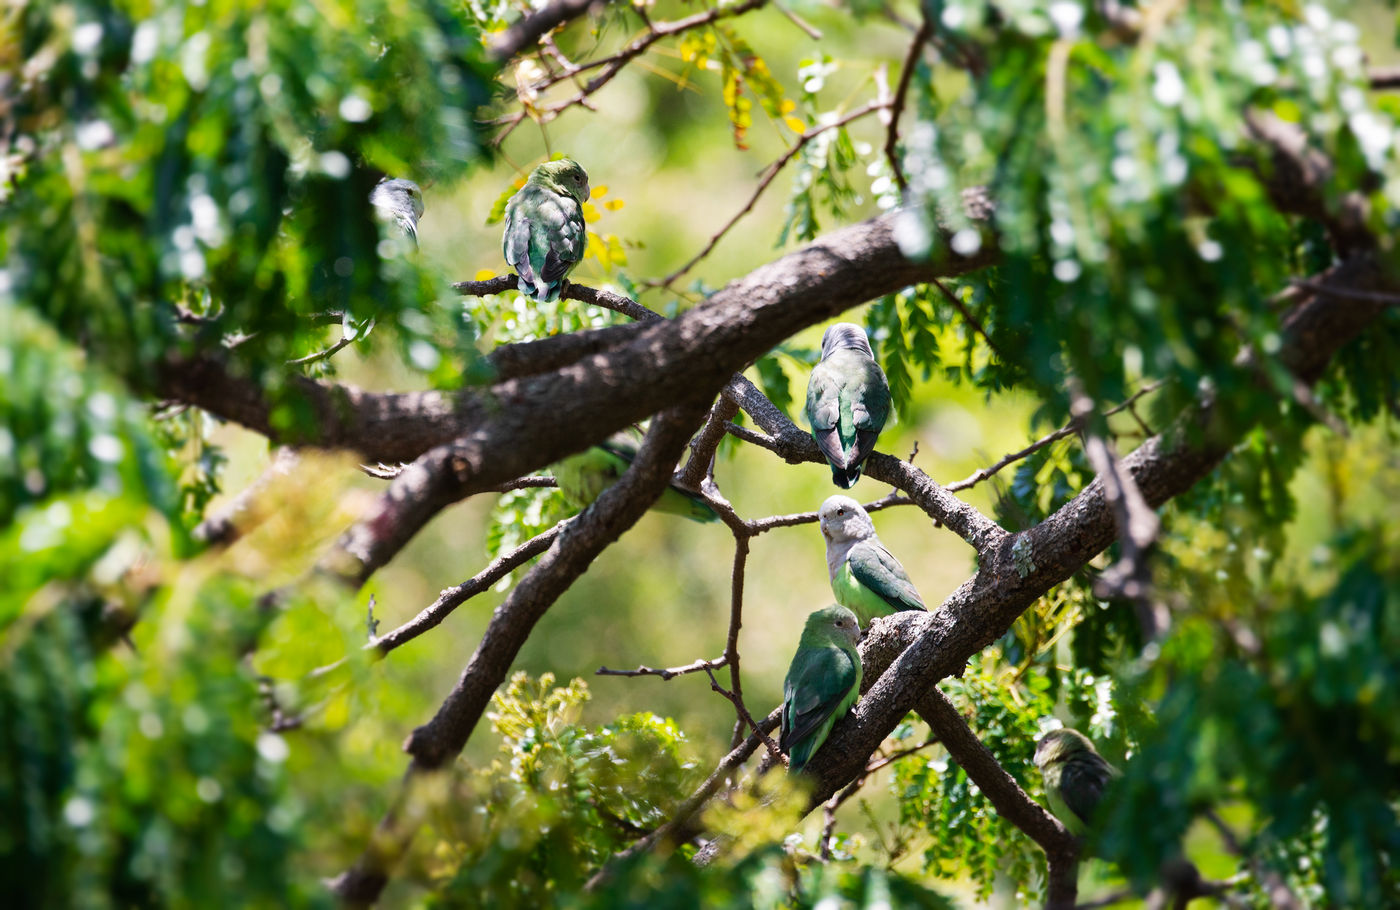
[{"x": 836, "y": 554}]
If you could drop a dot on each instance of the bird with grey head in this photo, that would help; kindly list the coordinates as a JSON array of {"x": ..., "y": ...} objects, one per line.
[
  {"x": 1075, "y": 776},
  {"x": 848, "y": 402},
  {"x": 399, "y": 202}
]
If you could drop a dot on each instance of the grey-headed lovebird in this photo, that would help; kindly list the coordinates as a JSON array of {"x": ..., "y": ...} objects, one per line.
[
  {"x": 848, "y": 401},
  {"x": 545, "y": 235},
  {"x": 865, "y": 578},
  {"x": 1075, "y": 776},
  {"x": 822, "y": 683},
  {"x": 400, "y": 201},
  {"x": 584, "y": 476}
]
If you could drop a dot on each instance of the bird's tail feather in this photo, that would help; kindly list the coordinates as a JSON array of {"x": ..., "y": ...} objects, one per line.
[{"x": 845, "y": 478}]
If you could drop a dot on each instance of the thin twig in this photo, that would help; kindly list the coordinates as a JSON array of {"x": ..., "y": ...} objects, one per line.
[
  {"x": 769, "y": 173},
  {"x": 571, "y": 291},
  {"x": 811, "y": 30},
  {"x": 889, "y": 500},
  {"x": 615, "y": 63},
  {"x": 344, "y": 342},
  {"x": 752, "y": 436},
  {"x": 383, "y": 471},
  {"x": 829, "y": 813},
  {"x": 667, "y": 673},
  {"x": 982, "y": 474},
  {"x": 902, "y": 753},
  {"x": 1279, "y": 894},
  {"x": 969, "y": 318},
  {"x": 911, "y": 59},
  {"x": 1337, "y": 293},
  {"x": 1130, "y": 576},
  {"x": 731, "y": 644},
  {"x": 279, "y": 719},
  {"x": 745, "y": 716},
  {"x": 841, "y": 796},
  {"x": 451, "y": 598},
  {"x": 703, "y": 446}
]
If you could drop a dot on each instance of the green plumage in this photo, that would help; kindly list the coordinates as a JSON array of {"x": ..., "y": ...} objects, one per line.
[
  {"x": 1075, "y": 776},
  {"x": 545, "y": 236},
  {"x": 865, "y": 577},
  {"x": 584, "y": 476},
  {"x": 848, "y": 402},
  {"x": 822, "y": 683}
]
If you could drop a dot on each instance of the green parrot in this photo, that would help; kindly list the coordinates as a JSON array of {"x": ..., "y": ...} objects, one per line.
[
  {"x": 545, "y": 236},
  {"x": 848, "y": 402},
  {"x": 822, "y": 683},
  {"x": 399, "y": 201},
  {"x": 865, "y": 578},
  {"x": 1075, "y": 776},
  {"x": 585, "y": 475}
]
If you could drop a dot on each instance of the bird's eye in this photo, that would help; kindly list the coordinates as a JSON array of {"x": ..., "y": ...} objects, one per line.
[{"x": 840, "y": 511}]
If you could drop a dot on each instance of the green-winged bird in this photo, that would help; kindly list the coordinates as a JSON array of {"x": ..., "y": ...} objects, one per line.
[
  {"x": 545, "y": 235},
  {"x": 822, "y": 683},
  {"x": 865, "y": 577},
  {"x": 1075, "y": 776},
  {"x": 585, "y": 475},
  {"x": 848, "y": 402}
]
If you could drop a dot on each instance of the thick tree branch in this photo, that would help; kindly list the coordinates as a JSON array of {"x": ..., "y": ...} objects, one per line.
[
  {"x": 1020, "y": 568},
  {"x": 1010, "y": 801},
  {"x": 438, "y": 741},
  {"x": 483, "y": 438},
  {"x": 587, "y": 535},
  {"x": 543, "y": 355},
  {"x": 1297, "y": 178},
  {"x": 517, "y": 425},
  {"x": 794, "y": 446},
  {"x": 702, "y": 448}
]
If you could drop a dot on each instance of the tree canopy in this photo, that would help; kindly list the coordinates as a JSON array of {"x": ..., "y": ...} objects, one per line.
[{"x": 296, "y": 614}]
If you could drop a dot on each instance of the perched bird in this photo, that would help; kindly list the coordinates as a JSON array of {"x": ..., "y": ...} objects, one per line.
[
  {"x": 585, "y": 475},
  {"x": 822, "y": 683},
  {"x": 400, "y": 201},
  {"x": 848, "y": 401},
  {"x": 865, "y": 578},
  {"x": 1075, "y": 776},
  {"x": 545, "y": 236}
]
